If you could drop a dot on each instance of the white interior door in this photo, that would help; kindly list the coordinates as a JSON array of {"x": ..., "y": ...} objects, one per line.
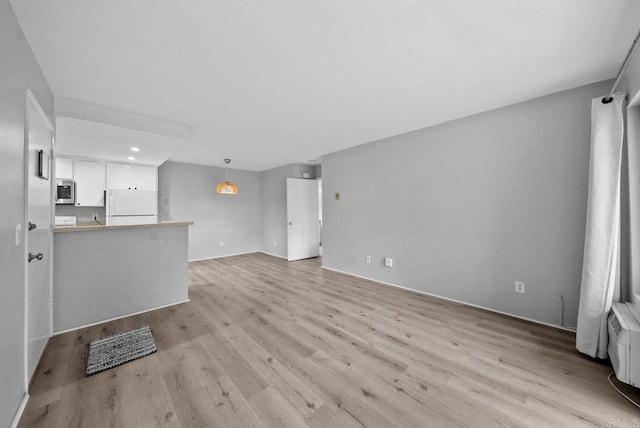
[
  {"x": 38, "y": 234},
  {"x": 302, "y": 219},
  {"x": 320, "y": 225}
]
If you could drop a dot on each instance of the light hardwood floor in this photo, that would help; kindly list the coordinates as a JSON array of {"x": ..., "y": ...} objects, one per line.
[{"x": 268, "y": 343}]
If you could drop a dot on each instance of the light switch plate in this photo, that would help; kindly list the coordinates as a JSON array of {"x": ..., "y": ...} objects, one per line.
[{"x": 18, "y": 234}]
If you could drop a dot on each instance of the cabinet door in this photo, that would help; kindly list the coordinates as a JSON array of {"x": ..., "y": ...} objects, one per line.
[
  {"x": 64, "y": 168},
  {"x": 118, "y": 176},
  {"x": 122, "y": 176},
  {"x": 144, "y": 177},
  {"x": 90, "y": 183}
]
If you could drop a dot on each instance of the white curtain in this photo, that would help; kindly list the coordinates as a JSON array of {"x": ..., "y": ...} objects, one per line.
[{"x": 602, "y": 236}]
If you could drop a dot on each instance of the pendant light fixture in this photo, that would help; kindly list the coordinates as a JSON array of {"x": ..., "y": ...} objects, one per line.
[{"x": 227, "y": 187}]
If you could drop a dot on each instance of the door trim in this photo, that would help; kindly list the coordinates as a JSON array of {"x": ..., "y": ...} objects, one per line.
[{"x": 30, "y": 97}]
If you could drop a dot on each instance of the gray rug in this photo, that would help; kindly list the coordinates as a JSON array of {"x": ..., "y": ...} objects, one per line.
[{"x": 119, "y": 348}]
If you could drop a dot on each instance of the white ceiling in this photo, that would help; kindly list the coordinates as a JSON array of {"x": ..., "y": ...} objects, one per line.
[
  {"x": 268, "y": 83},
  {"x": 82, "y": 138}
]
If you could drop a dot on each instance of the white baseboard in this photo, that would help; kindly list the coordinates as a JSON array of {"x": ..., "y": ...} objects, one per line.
[
  {"x": 55, "y": 333},
  {"x": 221, "y": 257},
  {"x": 238, "y": 254},
  {"x": 18, "y": 414},
  {"x": 271, "y": 254},
  {"x": 572, "y": 330}
]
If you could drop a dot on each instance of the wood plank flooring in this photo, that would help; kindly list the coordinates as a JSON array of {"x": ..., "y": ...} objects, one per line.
[{"x": 268, "y": 343}]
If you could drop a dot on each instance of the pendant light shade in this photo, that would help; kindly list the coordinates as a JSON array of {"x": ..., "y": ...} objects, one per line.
[{"x": 227, "y": 187}]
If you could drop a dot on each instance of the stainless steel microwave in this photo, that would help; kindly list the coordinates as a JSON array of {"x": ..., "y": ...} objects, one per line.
[{"x": 65, "y": 192}]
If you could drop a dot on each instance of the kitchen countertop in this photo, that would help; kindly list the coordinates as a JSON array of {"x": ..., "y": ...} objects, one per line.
[{"x": 96, "y": 227}]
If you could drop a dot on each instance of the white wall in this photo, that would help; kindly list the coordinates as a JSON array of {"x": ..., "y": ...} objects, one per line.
[
  {"x": 273, "y": 206},
  {"x": 190, "y": 194},
  {"x": 468, "y": 207},
  {"x": 18, "y": 71}
]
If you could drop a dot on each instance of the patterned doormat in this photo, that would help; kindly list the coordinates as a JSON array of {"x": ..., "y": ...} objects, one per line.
[{"x": 119, "y": 348}]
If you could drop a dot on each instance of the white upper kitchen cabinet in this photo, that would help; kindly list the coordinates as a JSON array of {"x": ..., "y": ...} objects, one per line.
[
  {"x": 131, "y": 177},
  {"x": 90, "y": 183},
  {"x": 64, "y": 168}
]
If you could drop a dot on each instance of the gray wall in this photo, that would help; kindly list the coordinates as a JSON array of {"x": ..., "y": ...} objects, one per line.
[
  {"x": 631, "y": 78},
  {"x": 18, "y": 71},
  {"x": 273, "y": 206},
  {"x": 190, "y": 192},
  {"x": 105, "y": 274},
  {"x": 468, "y": 207}
]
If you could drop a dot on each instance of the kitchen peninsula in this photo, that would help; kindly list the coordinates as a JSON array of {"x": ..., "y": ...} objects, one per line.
[{"x": 107, "y": 272}]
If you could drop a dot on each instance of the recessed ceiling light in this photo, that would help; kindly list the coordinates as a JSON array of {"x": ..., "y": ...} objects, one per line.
[
  {"x": 135, "y": 149},
  {"x": 131, "y": 158}
]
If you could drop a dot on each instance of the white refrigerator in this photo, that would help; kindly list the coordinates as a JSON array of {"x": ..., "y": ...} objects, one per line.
[{"x": 131, "y": 207}]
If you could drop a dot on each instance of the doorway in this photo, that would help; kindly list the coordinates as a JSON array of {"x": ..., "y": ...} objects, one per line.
[
  {"x": 320, "y": 225},
  {"x": 302, "y": 219}
]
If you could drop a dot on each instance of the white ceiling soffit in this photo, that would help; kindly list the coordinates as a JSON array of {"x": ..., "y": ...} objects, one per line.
[
  {"x": 97, "y": 113},
  {"x": 268, "y": 83},
  {"x": 82, "y": 138}
]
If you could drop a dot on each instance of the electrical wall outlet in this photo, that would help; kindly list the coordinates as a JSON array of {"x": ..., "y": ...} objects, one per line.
[
  {"x": 222, "y": 243},
  {"x": 275, "y": 243},
  {"x": 94, "y": 216},
  {"x": 519, "y": 287},
  {"x": 388, "y": 262},
  {"x": 367, "y": 259}
]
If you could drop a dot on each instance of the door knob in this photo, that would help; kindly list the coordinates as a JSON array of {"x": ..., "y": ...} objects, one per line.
[
  {"x": 38, "y": 256},
  {"x": 32, "y": 226}
]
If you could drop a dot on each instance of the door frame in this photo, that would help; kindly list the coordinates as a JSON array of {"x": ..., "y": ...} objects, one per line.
[{"x": 30, "y": 98}]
